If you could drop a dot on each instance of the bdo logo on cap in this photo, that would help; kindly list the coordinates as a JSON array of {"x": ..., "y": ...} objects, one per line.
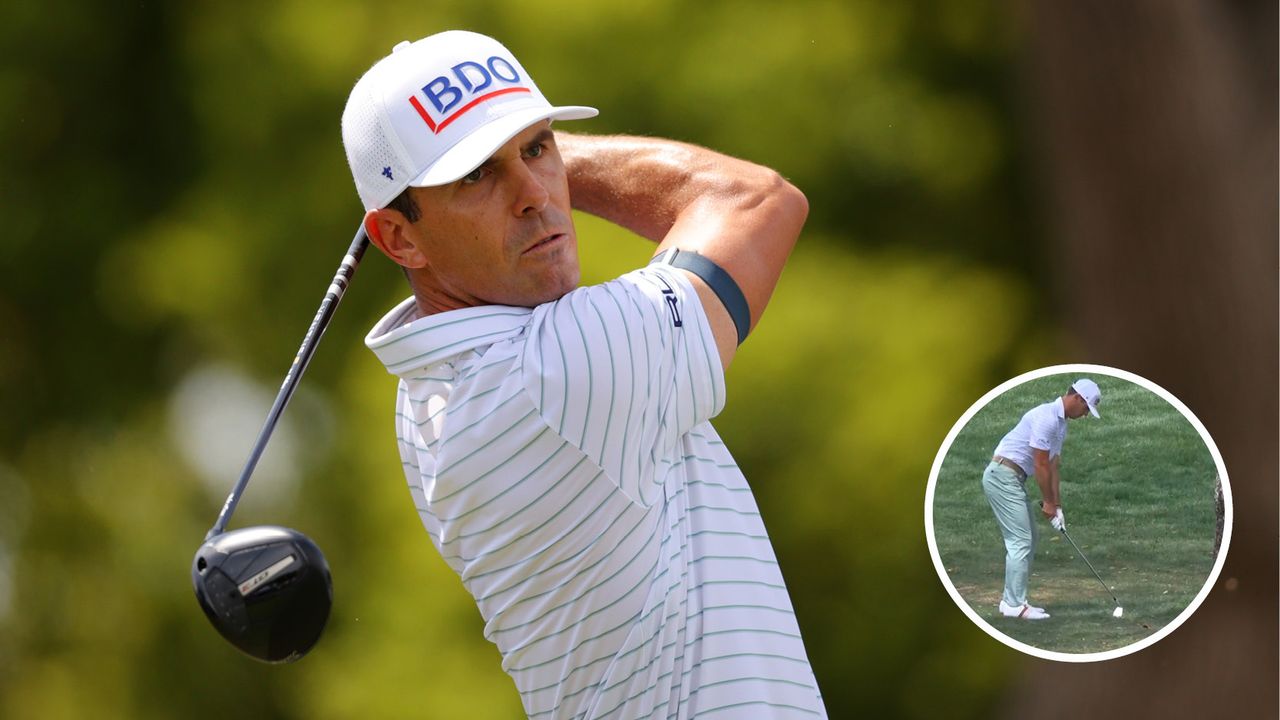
[{"x": 469, "y": 80}]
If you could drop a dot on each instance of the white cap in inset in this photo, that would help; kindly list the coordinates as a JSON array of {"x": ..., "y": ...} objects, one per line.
[
  {"x": 1088, "y": 390},
  {"x": 435, "y": 109}
]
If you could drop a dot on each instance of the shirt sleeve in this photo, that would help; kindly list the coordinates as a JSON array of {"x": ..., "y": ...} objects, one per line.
[
  {"x": 622, "y": 370},
  {"x": 1043, "y": 430}
]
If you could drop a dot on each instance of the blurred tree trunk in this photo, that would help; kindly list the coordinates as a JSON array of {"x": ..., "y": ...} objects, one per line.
[
  {"x": 1158, "y": 129},
  {"x": 1220, "y": 511}
]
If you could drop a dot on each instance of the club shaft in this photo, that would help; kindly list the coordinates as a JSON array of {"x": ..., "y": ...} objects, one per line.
[
  {"x": 333, "y": 296},
  {"x": 1086, "y": 562}
]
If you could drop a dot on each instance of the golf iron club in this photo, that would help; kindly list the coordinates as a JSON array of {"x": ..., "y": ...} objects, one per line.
[
  {"x": 267, "y": 589},
  {"x": 1119, "y": 610}
]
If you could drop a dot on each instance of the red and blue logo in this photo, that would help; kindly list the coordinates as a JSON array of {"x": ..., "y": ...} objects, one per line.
[{"x": 469, "y": 83}]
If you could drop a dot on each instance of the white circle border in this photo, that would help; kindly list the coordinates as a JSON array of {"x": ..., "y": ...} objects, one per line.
[{"x": 1082, "y": 368}]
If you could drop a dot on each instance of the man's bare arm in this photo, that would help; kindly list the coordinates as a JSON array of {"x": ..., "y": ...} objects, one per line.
[
  {"x": 742, "y": 216},
  {"x": 1044, "y": 478},
  {"x": 1057, "y": 477}
]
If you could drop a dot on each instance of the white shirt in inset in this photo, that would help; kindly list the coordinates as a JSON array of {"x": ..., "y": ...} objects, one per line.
[{"x": 1043, "y": 427}]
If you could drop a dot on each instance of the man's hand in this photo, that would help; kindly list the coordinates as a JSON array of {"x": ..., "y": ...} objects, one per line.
[
  {"x": 1050, "y": 510},
  {"x": 1058, "y": 521}
]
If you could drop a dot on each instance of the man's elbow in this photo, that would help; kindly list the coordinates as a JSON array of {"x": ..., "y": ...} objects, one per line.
[
  {"x": 785, "y": 203},
  {"x": 757, "y": 201},
  {"x": 797, "y": 203}
]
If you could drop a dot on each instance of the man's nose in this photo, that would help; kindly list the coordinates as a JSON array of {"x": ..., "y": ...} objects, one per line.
[{"x": 531, "y": 194}]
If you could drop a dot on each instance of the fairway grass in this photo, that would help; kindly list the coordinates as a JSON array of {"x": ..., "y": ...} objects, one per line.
[{"x": 1137, "y": 490}]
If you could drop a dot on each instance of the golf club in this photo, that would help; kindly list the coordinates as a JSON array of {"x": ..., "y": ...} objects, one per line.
[
  {"x": 267, "y": 589},
  {"x": 1119, "y": 610}
]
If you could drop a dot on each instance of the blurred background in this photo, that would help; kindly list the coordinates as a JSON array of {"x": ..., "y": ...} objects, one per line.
[{"x": 995, "y": 186}]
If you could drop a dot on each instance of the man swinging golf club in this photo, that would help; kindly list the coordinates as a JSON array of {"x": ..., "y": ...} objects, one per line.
[
  {"x": 556, "y": 439},
  {"x": 1032, "y": 447}
]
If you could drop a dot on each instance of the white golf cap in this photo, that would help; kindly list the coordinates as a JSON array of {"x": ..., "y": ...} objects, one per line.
[
  {"x": 1088, "y": 390},
  {"x": 434, "y": 110}
]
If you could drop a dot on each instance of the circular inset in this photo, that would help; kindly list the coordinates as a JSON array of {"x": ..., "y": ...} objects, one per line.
[{"x": 1078, "y": 513}]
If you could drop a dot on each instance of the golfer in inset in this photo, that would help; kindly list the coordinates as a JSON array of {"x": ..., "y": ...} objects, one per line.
[
  {"x": 555, "y": 438},
  {"x": 1032, "y": 447}
]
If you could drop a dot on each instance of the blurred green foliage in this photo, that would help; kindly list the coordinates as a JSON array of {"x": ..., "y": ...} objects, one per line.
[{"x": 175, "y": 197}]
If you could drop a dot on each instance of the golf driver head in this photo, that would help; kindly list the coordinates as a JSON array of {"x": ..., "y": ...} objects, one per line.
[{"x": 266, "y": 589}]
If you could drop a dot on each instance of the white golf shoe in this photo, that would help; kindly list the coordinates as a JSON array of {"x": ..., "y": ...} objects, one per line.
[{"x": 1025, "y": 612}]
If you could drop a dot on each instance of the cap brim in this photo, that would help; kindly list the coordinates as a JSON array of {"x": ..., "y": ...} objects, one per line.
[
  {"x": 480, "y": 145},
  {"x": 1093, "y": 410}
]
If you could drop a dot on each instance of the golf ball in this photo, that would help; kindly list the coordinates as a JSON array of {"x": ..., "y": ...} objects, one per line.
[{"x": 1119, "y": 611}]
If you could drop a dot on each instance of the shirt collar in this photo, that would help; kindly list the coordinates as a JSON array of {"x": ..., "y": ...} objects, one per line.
[
  {"x": 406, "y": 343},
  {"x": 1059, "y": 409}
]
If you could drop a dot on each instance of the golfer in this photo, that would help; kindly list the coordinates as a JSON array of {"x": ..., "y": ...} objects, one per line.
[
  {"x": 556, "y": 438},
  {"x": 1032, "y": 447}
]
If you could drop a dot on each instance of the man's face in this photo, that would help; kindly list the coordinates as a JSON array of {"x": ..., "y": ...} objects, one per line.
[
  {"x": 1075, "y": 406},
  {"x": 503, "y": 234}
]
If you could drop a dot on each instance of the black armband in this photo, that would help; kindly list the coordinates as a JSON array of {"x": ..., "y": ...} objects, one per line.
[{"x": 720, "y": 282}]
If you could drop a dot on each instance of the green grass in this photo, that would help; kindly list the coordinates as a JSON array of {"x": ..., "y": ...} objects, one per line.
[{"x": 1137, "y": 488}]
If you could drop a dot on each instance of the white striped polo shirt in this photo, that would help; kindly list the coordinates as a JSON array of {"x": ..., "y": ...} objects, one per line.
[
  {"x": 1043, "y": 427},
  {"x": 563, "y": 464}
]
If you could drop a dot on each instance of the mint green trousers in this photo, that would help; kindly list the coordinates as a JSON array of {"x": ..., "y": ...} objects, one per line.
[{"x": 1017, "y": 520}]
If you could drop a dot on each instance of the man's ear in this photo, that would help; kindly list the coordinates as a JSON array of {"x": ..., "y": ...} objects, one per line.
[{"x": 394, "y": 235}]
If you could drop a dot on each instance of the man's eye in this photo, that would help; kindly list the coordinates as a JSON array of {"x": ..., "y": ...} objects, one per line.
[
  {"x": 535, "y": 150},
  {"x": 474, "y": 176}
]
